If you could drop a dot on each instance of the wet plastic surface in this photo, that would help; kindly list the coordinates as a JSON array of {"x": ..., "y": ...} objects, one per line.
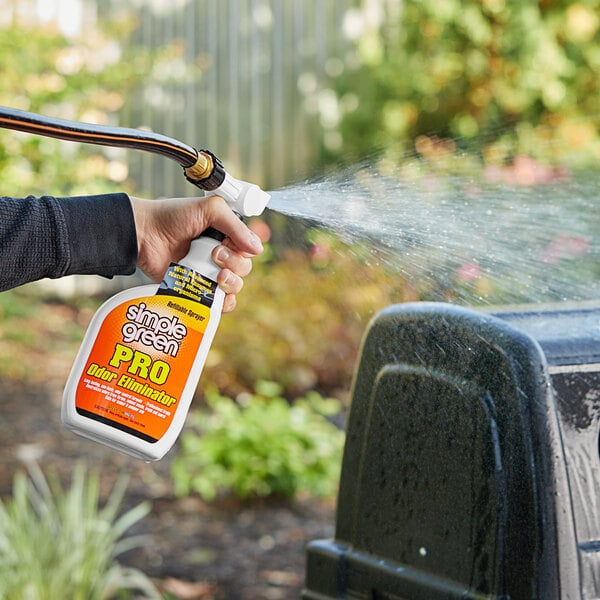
[{"x": 471, "y": 462}]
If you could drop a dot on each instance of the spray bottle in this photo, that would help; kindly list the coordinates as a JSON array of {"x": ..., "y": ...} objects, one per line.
[{"x": 132, "y": 382}]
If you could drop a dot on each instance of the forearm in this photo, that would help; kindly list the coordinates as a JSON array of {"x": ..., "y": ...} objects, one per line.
[{"x": 53, "y": 237}]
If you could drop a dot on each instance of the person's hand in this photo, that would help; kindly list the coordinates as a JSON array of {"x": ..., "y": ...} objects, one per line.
[{"x": 165, "y": 229}]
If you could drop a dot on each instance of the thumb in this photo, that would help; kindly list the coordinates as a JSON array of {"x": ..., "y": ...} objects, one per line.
[{"x": 223, "y": 219}]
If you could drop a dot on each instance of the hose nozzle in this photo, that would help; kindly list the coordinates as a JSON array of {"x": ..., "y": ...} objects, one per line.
[{"x": 247, "y": 199}]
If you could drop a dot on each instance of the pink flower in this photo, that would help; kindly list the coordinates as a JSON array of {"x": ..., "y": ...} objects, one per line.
[
  {"x": 320, "y": 253},
  {"x": 525, "y": 171},
  {"x": 468, "y": 271},
  {"x": 565, "y": 246}
]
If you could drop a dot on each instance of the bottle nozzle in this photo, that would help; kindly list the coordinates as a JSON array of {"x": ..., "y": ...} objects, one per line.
[{"x": 247, "y": 199}]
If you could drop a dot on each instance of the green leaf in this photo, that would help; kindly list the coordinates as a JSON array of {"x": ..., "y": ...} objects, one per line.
[{"x": 267, "y": 446}]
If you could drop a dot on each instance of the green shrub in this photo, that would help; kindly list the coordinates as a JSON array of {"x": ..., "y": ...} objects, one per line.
[
  {"x": 58, "y": 543},
  {"x": 264, "y": 446},
  {"x": 87, "y": 79},
  {"x": 512, "y": 76}
]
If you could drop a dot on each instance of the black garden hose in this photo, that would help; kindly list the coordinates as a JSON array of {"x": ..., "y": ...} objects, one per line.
[{"x": 201, "y": 167}]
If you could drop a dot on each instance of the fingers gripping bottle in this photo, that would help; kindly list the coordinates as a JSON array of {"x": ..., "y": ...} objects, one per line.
[{"x": 133, "y": 380}]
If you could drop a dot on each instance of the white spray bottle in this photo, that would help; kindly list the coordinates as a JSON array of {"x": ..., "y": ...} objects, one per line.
[{"x": 134, "y": 377}]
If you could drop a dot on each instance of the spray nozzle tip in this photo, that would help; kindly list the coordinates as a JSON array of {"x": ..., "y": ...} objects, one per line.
[
  {"x": 245, "y": 198},
  {"x": 253, "y": 200}
]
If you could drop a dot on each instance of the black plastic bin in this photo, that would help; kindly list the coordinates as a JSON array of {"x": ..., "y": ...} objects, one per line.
[{"x": 471, "y": 466}]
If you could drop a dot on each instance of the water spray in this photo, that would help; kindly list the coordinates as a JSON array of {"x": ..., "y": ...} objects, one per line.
[{"x": 201, "y": 167}]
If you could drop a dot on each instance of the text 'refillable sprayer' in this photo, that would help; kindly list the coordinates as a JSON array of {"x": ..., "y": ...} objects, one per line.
[{"x": 134, "y": 377}]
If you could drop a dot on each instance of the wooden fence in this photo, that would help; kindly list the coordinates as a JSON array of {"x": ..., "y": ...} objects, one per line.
[{"x": 243, "y": 78}]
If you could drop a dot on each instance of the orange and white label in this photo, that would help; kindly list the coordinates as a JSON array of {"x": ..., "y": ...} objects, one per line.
[{"x": 140, "y": 362}]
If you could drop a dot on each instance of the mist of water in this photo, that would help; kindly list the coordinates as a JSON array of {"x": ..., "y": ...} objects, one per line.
[{"x": 531, "y": 243}]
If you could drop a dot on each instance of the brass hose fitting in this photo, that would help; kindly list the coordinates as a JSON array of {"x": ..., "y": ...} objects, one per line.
[
  {"x": 207, "y": 172},
  {"x": 202, "y": 168}
]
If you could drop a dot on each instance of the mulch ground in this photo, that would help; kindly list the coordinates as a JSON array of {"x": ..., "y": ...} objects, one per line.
[{"x": 198, "y": 551}]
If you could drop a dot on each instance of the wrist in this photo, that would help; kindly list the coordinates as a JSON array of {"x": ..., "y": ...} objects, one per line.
[{"x": 140, "y": 217}]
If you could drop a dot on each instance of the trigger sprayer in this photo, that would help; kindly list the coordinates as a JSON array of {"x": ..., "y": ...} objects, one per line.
[{"x": 138, "y": 366}]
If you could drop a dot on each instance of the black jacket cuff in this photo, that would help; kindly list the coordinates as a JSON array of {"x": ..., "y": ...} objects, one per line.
[{"x": 101, "y": 236}]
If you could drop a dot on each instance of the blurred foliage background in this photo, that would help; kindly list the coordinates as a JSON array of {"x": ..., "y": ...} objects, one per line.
[
  {"x": 498, "y": 77},
  {"x": 85, "y": 79},
  {"x": 380, "y": 79}
]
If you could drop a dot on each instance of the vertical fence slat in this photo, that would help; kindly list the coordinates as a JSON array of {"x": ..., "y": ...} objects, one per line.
[
  {"x": 213, "y": 81},
  {"x": 191, "y": 56}
]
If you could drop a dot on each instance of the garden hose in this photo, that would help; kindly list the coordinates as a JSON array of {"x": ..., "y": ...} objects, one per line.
[{"x": 201, "y": 167}]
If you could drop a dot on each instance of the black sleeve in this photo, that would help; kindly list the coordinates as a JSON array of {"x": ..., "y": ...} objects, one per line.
[{"x": 53, "y": 237}]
